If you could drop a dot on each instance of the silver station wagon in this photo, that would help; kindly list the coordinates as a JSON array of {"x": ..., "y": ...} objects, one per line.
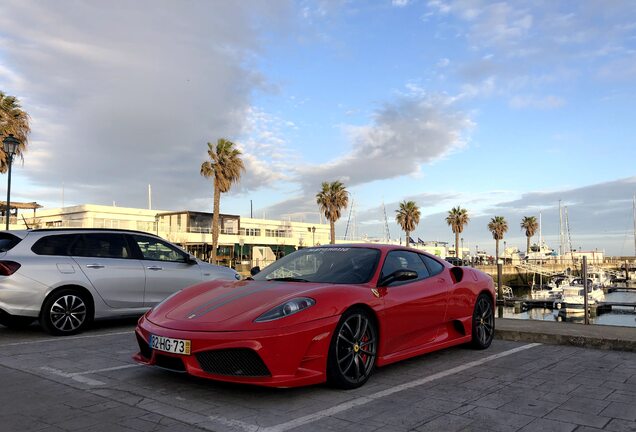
[{"x": 68, "y": 277}]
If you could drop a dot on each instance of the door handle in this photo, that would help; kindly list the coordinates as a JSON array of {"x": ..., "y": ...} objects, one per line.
[
  {"x": 94, "y": 266},
  {"x": 154, "y": 268}
]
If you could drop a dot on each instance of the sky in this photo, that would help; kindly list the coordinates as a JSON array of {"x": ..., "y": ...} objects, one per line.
[{"x": 503, "y": 108}]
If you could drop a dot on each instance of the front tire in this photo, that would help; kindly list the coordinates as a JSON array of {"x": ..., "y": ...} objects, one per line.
[
  {"x": 483, "y": 322},
  {"x": 66, "y": 312},
  {"x": 353, "y": 350}
]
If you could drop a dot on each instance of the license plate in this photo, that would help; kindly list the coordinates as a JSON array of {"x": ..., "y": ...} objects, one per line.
[{"x": 175, "y": 346}]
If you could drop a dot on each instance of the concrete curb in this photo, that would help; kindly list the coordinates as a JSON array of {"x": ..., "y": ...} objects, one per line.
[{"x": 584, "y": 336}]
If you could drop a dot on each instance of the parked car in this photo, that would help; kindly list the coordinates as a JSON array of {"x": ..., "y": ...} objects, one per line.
[
  {"x": 68, "y": 277},
  {"x": 320, "y": 314},
  {"x": 454, "y": 261}
]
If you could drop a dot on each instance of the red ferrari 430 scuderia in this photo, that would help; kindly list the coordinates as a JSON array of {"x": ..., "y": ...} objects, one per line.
[{"x": 327, "y": 313}]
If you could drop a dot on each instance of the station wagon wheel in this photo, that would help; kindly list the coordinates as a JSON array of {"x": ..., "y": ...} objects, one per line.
[
  {"x": 65, "y": 312},
  {"x": 353, "y": 350},
  {"x": 483, "y": 322}
]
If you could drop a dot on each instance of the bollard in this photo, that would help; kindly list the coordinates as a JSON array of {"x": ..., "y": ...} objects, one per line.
[
  {"x": 499, "y": 289},
  {"x": 585, "y": 305},
  {"x": 517, "y": 307}
]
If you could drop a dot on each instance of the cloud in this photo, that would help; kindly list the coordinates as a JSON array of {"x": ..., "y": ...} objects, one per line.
[
  {"x": 537, "y": 51},
  {"x": 399, "y": 3},
  {"x": 128, "y": 94},
  {"x": 403, "y": 135}
]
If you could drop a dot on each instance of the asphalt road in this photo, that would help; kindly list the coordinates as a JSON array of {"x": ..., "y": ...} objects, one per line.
[{"x": 89, "y": 383}]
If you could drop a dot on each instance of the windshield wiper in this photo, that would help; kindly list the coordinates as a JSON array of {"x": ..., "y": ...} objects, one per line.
[{"x": 289, "y": 279}]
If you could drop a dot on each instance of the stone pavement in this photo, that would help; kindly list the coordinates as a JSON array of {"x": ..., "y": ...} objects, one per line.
[
  {"x": 88, "y": 383},
  {"x": 563, "y": 333}
]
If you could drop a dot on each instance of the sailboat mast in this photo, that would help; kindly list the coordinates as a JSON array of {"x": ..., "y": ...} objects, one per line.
[
  {"x": 560, "y": 230},
  {"x": 540, "y": 238},
  {"x": 387, "y": 233},
  {"x": 634, "y": 211}
]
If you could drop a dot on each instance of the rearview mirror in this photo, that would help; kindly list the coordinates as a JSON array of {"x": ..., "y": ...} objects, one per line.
[
  {"x": 398, "y": 276},
  {"x": 255, "y": 270}
]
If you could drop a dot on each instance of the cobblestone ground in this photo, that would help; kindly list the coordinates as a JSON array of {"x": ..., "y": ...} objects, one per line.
[{"x": 89, "y": 383}]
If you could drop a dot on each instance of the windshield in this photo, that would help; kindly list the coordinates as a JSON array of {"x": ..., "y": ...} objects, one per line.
[
  {"x": 8, "y": 241},
  {"x": 341, "y": 265}
]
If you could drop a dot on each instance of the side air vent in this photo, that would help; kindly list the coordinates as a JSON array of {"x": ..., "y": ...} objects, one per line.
[{"x": 457, "y": 274}]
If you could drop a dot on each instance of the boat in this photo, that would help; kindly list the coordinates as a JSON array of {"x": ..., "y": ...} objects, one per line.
[
  {"x": 572, "y": 301},
  {"x": 506, "y": 291},
  {"x": 552, "y": 290}
]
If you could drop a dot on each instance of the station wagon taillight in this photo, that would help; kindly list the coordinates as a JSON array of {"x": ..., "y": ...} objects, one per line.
[{"x": 7, "y": 268}]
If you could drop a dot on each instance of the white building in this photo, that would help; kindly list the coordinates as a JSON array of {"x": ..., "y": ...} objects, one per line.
[{"x": 242, "y": 239}]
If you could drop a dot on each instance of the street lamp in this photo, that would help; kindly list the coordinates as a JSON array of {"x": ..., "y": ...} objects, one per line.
[
  {"x": 462, "y": 250},
  {"x": 313, "y": 235},
  {"x": 10, "y": 145}
]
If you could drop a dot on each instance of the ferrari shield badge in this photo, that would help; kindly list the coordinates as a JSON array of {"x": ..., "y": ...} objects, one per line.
[{"x": 375, "y": 292}]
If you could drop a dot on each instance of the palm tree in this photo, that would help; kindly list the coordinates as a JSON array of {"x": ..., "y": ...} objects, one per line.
[
  {"x": 225, "y": 167},
  {"x": 15, "y": 121},
  {"x": 530, "y": 224},
  {"x": 498, "y": 227},
  {"x": 457, "y": 218},
  {"x": 332, "y": 199},
  {"x": 408, "y": 216}
]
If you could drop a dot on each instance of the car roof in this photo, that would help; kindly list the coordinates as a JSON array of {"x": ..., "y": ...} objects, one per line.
[
  {"x": 23, "y": 233},
  {"x": 382, "y": 246}
]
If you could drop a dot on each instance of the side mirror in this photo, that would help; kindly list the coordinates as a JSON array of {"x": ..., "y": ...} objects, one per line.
[
  {"x": 255, "y": 270},
  {"x": 189, "y": 259},
  {"x": 398, "y": 276}
]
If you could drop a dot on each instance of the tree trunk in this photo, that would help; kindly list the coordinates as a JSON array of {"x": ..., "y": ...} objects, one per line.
[
  {"x": 457, "y": 252},
  {"x": 215, "y": 222},
  {"x": 407, "y": 238},
  {"x": 332, "y": 225},
  {"x": 527, "y": 247},
  {"x": 496, "y": 251}
]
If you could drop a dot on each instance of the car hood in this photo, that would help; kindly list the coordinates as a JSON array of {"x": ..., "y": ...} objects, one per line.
[{"x": 234, "y": 305}]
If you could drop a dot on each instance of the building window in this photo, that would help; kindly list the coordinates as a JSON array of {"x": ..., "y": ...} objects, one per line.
[
  {"x": 277, "y": 233},
  {"x": 253, "y": 232}
]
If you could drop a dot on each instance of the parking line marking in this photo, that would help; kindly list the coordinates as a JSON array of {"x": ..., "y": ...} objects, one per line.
[
  {"x": 61, "y": 339},
  {"x": 108, "y": 369},
  {"x": 301, "y": 421},
  {"x": 81, "y": 376}
]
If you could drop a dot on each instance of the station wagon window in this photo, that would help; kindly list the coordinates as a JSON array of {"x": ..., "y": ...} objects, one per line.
[
  {"x": 404, "y": 260},
  {"x": 7, "y": 241},
  {"x": 101, "y": 245},
  {"x": 434, "y": 266},
  {"x": 54, "y": 244},
  {"x": 158, "y": 250}
]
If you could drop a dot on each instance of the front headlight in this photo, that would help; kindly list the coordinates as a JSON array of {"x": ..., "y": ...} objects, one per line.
[{"x": 288, "y": 308}]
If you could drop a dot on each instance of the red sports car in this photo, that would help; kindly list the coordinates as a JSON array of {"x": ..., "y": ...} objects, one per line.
[{"x": 329, "y": 313}]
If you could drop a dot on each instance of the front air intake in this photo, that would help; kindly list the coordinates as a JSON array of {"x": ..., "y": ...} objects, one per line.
[{"x": 233, "y": 362}]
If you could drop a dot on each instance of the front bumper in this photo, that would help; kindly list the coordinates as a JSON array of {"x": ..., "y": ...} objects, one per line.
[{"x": 289, "y": 356}]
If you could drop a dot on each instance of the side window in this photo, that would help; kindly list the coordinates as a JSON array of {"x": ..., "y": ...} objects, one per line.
[
  {"x": 158, "y": 250},
  {"x": 434, "y": 266},
  {"x": 54, "y": 244},
  {"x": 404, "y": 260},
  {"x": 101, "y": 245}
]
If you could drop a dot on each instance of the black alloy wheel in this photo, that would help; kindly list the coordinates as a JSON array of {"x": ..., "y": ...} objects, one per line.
[
  {"x": 483, "y": 322},
  {"x": 66, "y": 312},
  {"x": 353, "y": 350}
]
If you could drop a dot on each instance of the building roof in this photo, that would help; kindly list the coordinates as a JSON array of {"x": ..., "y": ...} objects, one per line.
[{"x": 20, "y": 205}]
